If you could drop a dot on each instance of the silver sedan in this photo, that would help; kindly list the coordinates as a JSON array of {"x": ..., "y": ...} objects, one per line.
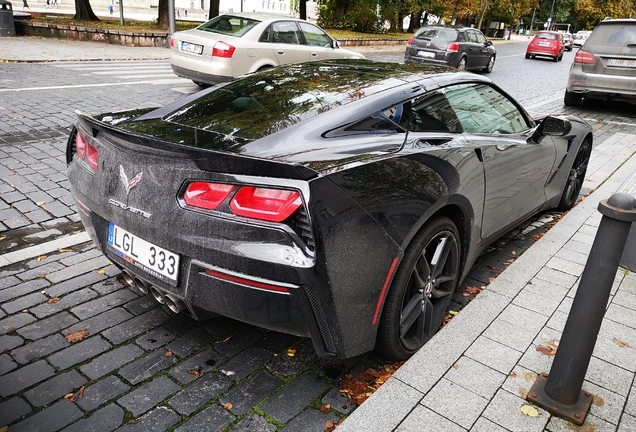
[{"x": 232, "y": 45}]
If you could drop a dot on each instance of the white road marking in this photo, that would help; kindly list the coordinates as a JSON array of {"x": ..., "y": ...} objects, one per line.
[
  {"x": 43, "y": 248},
  {"x": 155, "y": 82}
]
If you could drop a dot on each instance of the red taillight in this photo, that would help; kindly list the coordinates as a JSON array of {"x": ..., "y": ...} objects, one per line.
[
  {"x": 206, "y": 195},
  {"x": 584, "y": 57},
  {"x": 274, "y": 205},
  {"x": 410, "y": 41},
  {"x": 86, "y": 151},
  {"x": 80, "y": 146},
  {"x": 221, "y": 49},
  {"x": 92, "y": 156},
  {"x": 171, "y": 43},
  {"x": 453, "y": 47}
]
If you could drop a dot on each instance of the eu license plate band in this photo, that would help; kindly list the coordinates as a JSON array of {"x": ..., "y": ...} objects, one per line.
[{"x": 149, "y": 257}]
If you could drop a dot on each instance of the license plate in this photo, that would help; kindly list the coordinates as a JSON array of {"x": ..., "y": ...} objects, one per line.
[
  {"x": 426, "y": 54},
  {"x": 151, "y": 258},
  {"x": 191, "y": 48},
  {"x": 621, "y": 62},
  {"x": 546, "y": 44}
]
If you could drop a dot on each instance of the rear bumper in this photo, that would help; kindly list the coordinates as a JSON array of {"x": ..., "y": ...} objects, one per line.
[
  {"x": 601, "y": 86},
  {"x": 199, "y": 70},
  {"x": 441, "y": 59}
]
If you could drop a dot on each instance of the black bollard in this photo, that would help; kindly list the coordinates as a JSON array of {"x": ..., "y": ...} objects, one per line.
[{"x": 560, "y": 391}]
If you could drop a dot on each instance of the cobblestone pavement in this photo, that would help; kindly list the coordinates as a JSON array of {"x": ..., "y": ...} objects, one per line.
[{"x": 140, "y": 367}]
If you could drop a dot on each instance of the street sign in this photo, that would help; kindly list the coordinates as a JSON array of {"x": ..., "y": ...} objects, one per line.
[{"x": 550, "y": 19}]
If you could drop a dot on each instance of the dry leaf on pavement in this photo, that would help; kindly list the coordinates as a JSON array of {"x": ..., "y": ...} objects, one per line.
[
  {"x": 325, "y": 408},
  {"x": 227, "y": 406},
  {"x": 359, "y": 390},
  {"x": 77, "y": 396},
  {"x": 621, "y": 344},
  {"x": 101, "y": 271},
  {"x": 530, "y": 411},
  {"x": 292, "y": 352},
  {"x": 168, "y": 353},
  {"x": 53, "y": 300},
  {"x": 76, "y": 336},
  {"x": 196, "y": 372},
  {"x": 40, "y": 258}
]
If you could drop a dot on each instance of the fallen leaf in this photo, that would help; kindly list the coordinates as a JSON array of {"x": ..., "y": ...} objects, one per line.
[
  {"x": 473, "y": 290},
  {"x": 455, "y": 366},
  {"x": 224, "y": 340},
  {"x": 196, "y": 372},
  {"x": 621, "y": 344},
  {"x": 359, "y": 390},
  {"x": 512, "y": 375},
  {"x": 77, "y": 396},
  {"x": 41, "y": 276},
  {"x": 168, "y": 353},
  {"x": 40, "y": 258},
  {"x": 53, "y": 300},
  {"x": 325, "y": 408},
  {"x": 291, "y": 352},
  {"x": 68, "y": 395},
  {"x": 546, "y": 351},
  {"x": 76, "y": 336},
  {"x": 3, "y": 237},
  {"x": 101, "y": 271},
  {"x": 39, "y": 203},
  {"x": 530, "y": 411},
  {"x": 331, "y": 426},
  {"x": 227, "y": 406},
  {"x": 452, "y": 312},
  {"x": 466, "y": 294},
  {"x": 66, "y": 250},
  {"x": 11, "y": 330},
  {"x": 514, "y": 253},
  {"x": 4, "y": 428},
  {"x": 491, "y": 280}
]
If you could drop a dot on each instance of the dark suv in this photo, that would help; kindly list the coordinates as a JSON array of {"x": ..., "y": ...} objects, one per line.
[
  {"x": 462, "y": 48},
  {"x": 605, "y": 67}
]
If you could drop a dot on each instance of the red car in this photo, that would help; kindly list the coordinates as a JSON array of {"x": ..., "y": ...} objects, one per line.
[{"x": 546, "y": 43}]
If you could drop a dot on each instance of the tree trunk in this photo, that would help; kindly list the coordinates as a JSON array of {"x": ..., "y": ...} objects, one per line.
[
  {"x": 84, "y": 11},
  {"x": 341, "y": 9},
  {"x": 302, "y": 9},
  {"x": 214, "y": 9},
  {"x": 162, "y": 19},
  {"x": 484, "y": 7}
]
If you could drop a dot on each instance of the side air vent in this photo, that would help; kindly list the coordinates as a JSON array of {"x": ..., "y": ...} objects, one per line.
[
  {"x": 300, "y": 224},
  {"x": 321, "y": 319},
  {"x": 71, "y": 145}
]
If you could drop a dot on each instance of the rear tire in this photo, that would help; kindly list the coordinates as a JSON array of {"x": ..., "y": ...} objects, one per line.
[
  {"x": 421, "y": 290},
  {"x": 572, "y": 99},
  {"x": 462, "y": 64},
  {"x": 200, "y": 84},
  {"x": 555, "y": 59},
  {"x": 575, "y": 180},
  {"x": 527, "y": 56}
]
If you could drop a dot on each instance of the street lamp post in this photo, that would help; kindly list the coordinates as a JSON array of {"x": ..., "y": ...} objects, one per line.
[{"x": 551, "y": 13}]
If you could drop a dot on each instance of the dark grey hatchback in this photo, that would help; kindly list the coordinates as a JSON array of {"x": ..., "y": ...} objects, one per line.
[{"x": 461, "y": 48}]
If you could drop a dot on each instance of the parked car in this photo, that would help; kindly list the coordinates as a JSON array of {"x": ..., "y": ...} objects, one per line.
[
  {"x": 342, "y": 200},
  {"x": 461, "y": 48},
  {"x": 232, "y": 45},
  {"x": 546, "y": 44},
  {"x": 605, "y": 68},
  {"x": 580, "y": 37},
  {"x": 568, "y": 42}
]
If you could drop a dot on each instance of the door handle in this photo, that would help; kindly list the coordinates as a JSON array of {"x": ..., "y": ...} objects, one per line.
[{"x": 281, "y": 52}]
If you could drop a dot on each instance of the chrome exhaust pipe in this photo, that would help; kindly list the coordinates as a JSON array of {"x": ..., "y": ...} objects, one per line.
[
  {"x": 128, "y": 278},
  {"x": 174, "y": 304},
  {"x": 157, "y": 295},
  {"x": 143, "y": 287}
]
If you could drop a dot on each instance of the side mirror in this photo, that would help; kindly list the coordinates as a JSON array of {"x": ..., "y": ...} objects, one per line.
[
  {"x": 552, "y": 126},
  {"x": 488, "y": 43},
  {"x": 336, "y": 44}
]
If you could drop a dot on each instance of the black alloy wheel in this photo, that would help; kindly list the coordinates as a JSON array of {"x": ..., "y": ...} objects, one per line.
[
  {"x": 575, "y": 180},
  {"x": 462, "y": 64},
  {"x": 490, "y": 65},
  {"x": 421, "y": 290}
]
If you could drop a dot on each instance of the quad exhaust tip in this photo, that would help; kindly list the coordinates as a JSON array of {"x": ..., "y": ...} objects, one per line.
[
  {"x": 175, "y": 304},
  {"x": 158, "y": 295}
]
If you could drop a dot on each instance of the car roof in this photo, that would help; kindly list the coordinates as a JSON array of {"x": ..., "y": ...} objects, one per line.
[{"x": 262, "y": 16}]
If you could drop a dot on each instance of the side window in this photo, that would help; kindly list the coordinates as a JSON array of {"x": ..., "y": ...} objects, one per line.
[
  {"x": 378, "y": 123},
  {"x": 482, "y": 109},
  {"x": 315, "y": 36},
  {"x": 265, "y": 37},
  {"x": 429, "y": 113},
  {"x": 472, "y": 37},
  {"x": 285, "y": 32},
  {"x": 480, "y": 37}
]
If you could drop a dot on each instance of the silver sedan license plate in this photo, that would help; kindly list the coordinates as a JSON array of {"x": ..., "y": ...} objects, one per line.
[
  {"x": 191, "y": 48},
  {"x": 621, "y": 62},
  {"x": 151, "y": 258}
]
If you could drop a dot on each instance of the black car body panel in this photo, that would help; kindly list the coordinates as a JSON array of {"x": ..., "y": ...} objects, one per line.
[{"x": 369, "y": 168}]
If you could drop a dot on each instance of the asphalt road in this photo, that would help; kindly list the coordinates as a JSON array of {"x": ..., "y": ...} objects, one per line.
[{"x": 128, "y": 378}]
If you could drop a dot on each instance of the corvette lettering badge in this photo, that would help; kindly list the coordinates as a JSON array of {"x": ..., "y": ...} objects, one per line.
[
  {"x": 128, "y": 185},
  {"x": 129, "y": 208}
]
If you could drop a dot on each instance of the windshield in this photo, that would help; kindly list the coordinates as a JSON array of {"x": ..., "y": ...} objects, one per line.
[
  {"x": 229, "y": 25},
  {"x": 615, "y": 34},
  {"x": 547, "y": 36}
]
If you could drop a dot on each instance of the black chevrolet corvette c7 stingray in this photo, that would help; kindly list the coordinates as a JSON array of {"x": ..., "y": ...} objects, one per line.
[{"x": 341, "y": 200}]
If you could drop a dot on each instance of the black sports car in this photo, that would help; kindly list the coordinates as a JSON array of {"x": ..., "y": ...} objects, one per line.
[{"x": 341, "y": 200}]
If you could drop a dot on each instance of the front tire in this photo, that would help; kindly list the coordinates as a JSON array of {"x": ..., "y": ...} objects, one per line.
[
  {"x": 575, "y": 180},
  {"x": 490, "y": 65},
  {"x": 421, "y": 290}
]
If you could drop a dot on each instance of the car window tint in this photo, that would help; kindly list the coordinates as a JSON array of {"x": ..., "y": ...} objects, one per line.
[
  {"x": 266, "y": 36},
  {"x": 547, "y": 36},
  {"x": 377, "y": 123},
  {"x": 482, "y": 109},
  {"x": 315, "y": 36},
  {"x": 472, "y": 37},
  {"x": 285, "y": 32},
  {"x": 429, "y": 113},
  {"x": 617, "y": 35},
  {"x": 480, "y": 37},
  {"x": 229, "y": 25}
]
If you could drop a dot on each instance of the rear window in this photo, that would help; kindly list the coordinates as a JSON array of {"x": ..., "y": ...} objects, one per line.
[
  {"x": 265, "y": 103},
  {"x": 434, "y": 33},
  {"x": 615, "y": 34},
  {"x": 548, "y": 36},
  {"x": 229, "y": 25}
]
